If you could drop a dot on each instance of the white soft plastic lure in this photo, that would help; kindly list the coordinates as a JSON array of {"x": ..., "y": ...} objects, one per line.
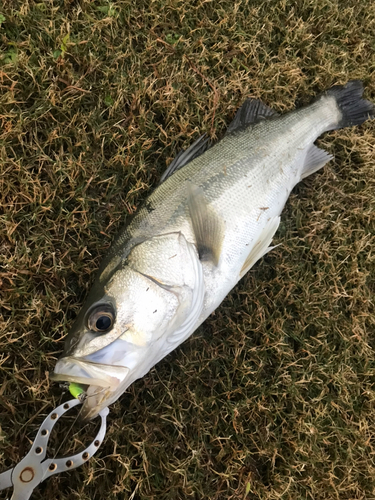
[{"x": 211, "y": 218}]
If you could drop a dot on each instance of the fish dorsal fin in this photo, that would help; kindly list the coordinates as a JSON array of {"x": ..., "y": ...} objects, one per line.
[
  {"x": 251, "y": 111},
  {"x": 261, "y": 246},
  {"x": 315, "y": 159},
  {"x": 208, "y": 227},
  {"x": 185, "y": 156}
]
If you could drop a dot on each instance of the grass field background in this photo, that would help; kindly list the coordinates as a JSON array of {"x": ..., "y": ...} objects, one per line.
[{"x": 273, "y": 397}]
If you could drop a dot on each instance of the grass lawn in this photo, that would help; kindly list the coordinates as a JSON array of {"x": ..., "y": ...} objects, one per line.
[{"x": 273, "y": 397}]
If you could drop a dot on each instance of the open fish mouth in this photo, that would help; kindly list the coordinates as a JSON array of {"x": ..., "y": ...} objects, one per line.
[
  {"x": 80, "y": 371},
  {"x": 101, "y": 381}
]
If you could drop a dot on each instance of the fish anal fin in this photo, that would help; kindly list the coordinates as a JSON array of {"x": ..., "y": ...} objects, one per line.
[
  {"x": 261, "y": 247},
  {"x": 251, "y": 111},
  {"x": 315, "y": 159},
  {"x": 208, "y": 227}
]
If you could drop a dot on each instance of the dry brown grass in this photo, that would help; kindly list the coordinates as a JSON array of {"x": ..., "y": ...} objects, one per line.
[{"x": 274, "y": 396}]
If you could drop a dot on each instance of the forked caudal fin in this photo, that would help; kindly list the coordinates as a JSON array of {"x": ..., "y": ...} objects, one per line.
[{"x": 354, "y": 109}]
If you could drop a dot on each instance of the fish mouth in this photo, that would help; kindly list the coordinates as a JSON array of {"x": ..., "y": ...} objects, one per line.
[{"x": 101, "y": 380}]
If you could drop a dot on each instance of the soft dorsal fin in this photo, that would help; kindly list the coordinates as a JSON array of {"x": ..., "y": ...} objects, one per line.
[
  {"x": 208, "y": 227},
  {"x": 185, "y": 156},
  {"x": 251, "y": 111}
]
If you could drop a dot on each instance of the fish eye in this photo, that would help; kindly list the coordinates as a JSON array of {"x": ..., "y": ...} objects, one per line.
[{"x": 101, "y": 319}]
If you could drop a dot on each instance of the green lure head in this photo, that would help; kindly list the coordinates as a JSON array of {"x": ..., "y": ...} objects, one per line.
[{"x": 76, "y": 390}]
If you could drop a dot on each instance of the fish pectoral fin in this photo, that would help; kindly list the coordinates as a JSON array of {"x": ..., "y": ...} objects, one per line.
[
  {"x": 184, "y": 157},
  {"x": 261, "y": 246},
  {"x": 251, "y": 111},
  {"x": 208, "y": 227},
  {"x": 315, "y": 159}
]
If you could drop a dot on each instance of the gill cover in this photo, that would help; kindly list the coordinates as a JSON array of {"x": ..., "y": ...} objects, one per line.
[{"x": 157, "y": 297}]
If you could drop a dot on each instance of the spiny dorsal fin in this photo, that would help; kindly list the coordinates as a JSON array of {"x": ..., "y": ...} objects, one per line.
[
  {"x": 251, "y": 111},
  {"x": 208, "y": 227},
  {"x": 185, "y": 156}
]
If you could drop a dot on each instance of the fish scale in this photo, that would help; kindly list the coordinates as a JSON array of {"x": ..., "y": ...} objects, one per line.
[{"x": 221, "y": 172}]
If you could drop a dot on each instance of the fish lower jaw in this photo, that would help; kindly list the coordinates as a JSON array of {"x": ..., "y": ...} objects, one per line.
[
  {"x": 96, "y": 398},
  {"x": 101, "y": 382}
]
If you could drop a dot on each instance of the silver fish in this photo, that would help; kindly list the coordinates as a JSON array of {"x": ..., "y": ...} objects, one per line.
[{"x": 213, "y": 216}]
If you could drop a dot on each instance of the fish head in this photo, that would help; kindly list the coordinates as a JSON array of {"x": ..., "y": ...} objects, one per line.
[{"x": 124, "y": 327}]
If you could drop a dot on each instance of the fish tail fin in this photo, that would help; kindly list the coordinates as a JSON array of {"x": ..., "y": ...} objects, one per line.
[{"x": 354, "y": 110}]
